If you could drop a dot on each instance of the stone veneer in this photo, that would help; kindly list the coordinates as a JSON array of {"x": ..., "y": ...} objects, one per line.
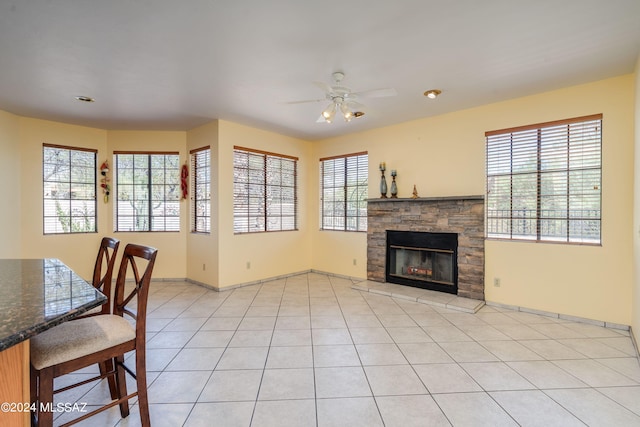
[{"x": 462, "y": 215}]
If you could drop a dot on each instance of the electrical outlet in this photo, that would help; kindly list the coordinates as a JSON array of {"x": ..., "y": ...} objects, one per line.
[{"x": 496, "y": 282}]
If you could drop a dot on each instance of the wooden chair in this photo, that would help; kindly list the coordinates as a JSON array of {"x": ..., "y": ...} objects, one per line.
[
  {"x": 102, "y": 274},
  {"x": 105, "y": 338}
]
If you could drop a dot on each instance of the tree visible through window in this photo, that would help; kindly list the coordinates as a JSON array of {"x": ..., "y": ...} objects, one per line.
[
  {"x": 544, "y": 181},
  {"x": 264, "y": 191},
  {"x": 147, "y": 191},
  {"x": 344, "y": 181},
  {"x": 69, "y": 189},
  {"x": 201, "y": 190}
]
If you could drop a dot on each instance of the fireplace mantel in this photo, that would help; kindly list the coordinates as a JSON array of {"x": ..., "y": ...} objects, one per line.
[
  {"x": 425, "y": 199},
  {"x": 463, "y": 215}
]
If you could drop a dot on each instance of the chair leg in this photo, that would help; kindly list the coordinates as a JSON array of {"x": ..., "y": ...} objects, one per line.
[
  {"x": 121, "y": 382},
  {"x": 105, "y": 367},
  {"x": 45, "y": 398},
  {"x": 141, "y": 383}
]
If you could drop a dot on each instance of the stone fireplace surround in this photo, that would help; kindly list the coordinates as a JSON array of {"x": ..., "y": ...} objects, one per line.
[{"x": 458, "y": 214}]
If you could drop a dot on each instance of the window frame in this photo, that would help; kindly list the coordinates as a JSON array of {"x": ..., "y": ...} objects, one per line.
[
  {"x": 93, "y": 183},
  {"x": 262, "y": 187},
  {"x": 580, "y": 162},
  {"x": 149, "y": 184},
  {"x": 345, "y": 193},
  {"x": 198, "y": 180}
]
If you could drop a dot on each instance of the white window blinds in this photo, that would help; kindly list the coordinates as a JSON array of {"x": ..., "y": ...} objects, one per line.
[
  {"x": 344, "y": 181},
  {"x": 544, "y": 181},
  {"x": 264, "y": 191}
]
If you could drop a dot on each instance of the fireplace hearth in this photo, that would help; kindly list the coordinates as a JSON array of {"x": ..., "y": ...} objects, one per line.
[{"x": 423, "y": 260}]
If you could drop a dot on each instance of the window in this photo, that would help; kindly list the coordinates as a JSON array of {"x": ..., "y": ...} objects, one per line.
[
  {"x": 69, "y": 184},
  {"x": 344, "y": 192},
  {"x": 147, "y": 191},
  {"x": 264, "y": 191},
  {"x": 201, "y": 188},
  {"x": 544, "y": 181}
]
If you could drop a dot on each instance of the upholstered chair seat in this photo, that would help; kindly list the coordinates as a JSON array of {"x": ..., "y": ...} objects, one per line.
[{"x": 72, "y": 340}]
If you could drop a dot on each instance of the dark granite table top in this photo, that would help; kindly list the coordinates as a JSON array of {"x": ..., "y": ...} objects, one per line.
[{"x": 37, "y": 294}]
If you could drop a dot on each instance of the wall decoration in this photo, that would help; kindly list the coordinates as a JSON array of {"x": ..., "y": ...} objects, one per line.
[
  {"x": 184, "y": 180},
  {"x": 415, "y": 192},
  {"x": 104, "y": 181}
]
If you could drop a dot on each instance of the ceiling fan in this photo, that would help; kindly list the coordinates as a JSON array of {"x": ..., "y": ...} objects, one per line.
[{"x": 343, "y": 100}]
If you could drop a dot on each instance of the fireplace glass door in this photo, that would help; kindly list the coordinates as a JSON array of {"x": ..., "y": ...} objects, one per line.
[
  {"x": 424, "y": 260},
  {"x": 429, "y": 265}
]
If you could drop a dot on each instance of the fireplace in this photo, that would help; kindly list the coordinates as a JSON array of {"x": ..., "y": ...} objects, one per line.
[
  {"x": 423, "y": 260},
  {"x": 459, "y": 215}
]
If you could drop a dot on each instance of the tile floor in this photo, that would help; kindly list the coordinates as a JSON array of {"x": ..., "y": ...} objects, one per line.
[{"x": 309, "y": 350}]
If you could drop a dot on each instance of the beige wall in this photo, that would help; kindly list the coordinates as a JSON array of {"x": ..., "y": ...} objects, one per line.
[
  {"x": 202, "y": 249},
  {"x": 444, "y": 156},
  {"x": 267, "y": 254},
  {"x": 584, "y": 281},
  {"x": 171, "y": 261},
  {"x": 76, "y": 250},
  {"x": 10, "y": 214},
  {"x": 335, "y": 251},
  {"x": 79, "y": 250}
]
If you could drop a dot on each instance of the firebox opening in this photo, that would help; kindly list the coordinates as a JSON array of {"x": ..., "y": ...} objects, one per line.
[{"x": 423, "y": 260}]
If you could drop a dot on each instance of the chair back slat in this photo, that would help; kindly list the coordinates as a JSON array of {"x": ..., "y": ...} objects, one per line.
[
  {"x": 131, "y": 256},
  {"x": 103, "y": 269}
]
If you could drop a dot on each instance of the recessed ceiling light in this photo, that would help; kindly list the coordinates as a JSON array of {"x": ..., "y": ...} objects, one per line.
[
  {"x": 432, "y": 93},
  {"x": 85, "y": 99}
]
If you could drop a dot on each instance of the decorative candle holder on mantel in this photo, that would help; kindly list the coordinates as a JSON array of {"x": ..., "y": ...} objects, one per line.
[
  {"x": 394, "y": 187},
  {"x": 383, "y": 182}
]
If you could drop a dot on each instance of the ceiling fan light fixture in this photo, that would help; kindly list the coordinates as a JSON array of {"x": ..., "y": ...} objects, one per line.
[
  {"x": 346, "y": 112},
  {"x": 329, "y": 112},
  {"x": 432, "y": 93}
]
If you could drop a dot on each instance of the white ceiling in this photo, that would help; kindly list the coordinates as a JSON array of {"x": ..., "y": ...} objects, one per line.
[{"x": 175, "y": 65}]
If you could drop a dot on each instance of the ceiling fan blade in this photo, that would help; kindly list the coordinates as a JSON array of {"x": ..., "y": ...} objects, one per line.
[
  {"x": 324, "y": 87},
  {"x": 306, "y": 101},
  {"x": 377, "y": 93},
  {"x": 353, "y": 105}
]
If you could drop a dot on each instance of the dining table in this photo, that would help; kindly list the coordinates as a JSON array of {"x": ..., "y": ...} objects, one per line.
[{"x": 35, "y": 295}]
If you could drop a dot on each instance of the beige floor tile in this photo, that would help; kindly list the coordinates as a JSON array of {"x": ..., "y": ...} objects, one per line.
[
  {"x": 593, "y": 408},
  {"x": 290, "y": 357},
  {"x": 479, "y": 410},
  {"x": 285, "y": 384},
  {"x": 394, "y": 380},
  {"x": 410, "y": 411},
  {"x": 352, "y": 412},
  {"x": 446, "y": 378},
  {"x": 285, "y": 413},
  {"x": 341, "y": 382},
  {"x": 380, "y": 354},
  {"x": 232, "y": 386},
  {"x": 533, "y": 408},
  {"x": 325, "y": 356},
  {"x": 227, "y": 414}
]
